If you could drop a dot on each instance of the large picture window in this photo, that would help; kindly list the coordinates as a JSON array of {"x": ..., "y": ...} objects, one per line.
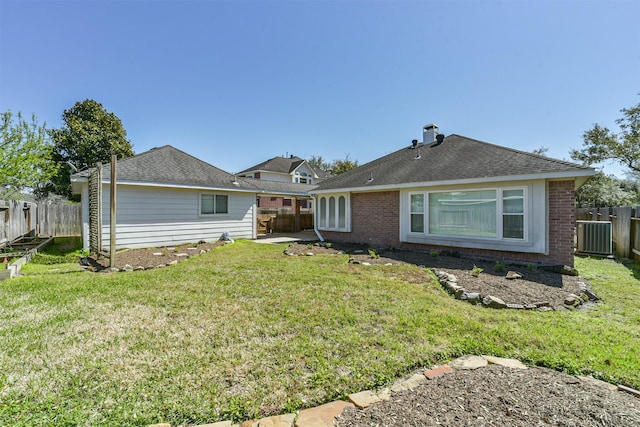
[
  {"x": 333, "y": 212},
  {"x": 487, "y": 213},
  {"x": 213, "y": 204}
]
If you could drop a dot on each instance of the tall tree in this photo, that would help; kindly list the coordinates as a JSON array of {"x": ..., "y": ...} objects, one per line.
[
  {"x": 601, "y": 144},
  {"x": 342, "y": 166},
  {"x": 336, "y": 167},
  {"x": 26, "y": 160},
  {"x": 319, "y": 162},
  {"x": 90, "y": 134},
  {"x": 606, "y": 190}
]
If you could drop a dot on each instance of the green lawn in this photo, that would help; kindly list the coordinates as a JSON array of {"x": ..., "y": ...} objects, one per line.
[{"x": 244, "y": 331}]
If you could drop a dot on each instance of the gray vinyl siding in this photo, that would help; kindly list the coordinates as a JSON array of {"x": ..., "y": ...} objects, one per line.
[{"x": 156, "y": 216}]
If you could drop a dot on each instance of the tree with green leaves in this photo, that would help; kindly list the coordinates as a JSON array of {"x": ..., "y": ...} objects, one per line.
[
  {"x": 90, "y": 134},
  {"x": 541, "y": 151},
  {"x": 606, "y": 190},
  {"x": 319, "y": 162},
  {"x": 26, "y": 157},
  {"x": 602, "y": 144},
  {"x": 336, "y": 167}
]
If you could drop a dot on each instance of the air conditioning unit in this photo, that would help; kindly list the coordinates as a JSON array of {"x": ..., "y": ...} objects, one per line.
[{"x": 594, "y": 237}]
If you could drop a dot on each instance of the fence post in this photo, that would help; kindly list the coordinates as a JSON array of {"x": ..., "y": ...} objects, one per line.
[{"x": 622, "y": 231}]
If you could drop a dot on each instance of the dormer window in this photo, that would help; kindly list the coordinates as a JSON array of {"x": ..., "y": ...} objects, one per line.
[{"x": 303, "y": 178}]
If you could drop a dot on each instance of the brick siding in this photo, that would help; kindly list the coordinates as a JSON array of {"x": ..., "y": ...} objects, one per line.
[{"x": 375, "y": 222}]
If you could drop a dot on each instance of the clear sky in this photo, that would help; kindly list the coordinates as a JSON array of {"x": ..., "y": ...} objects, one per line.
[{"x": 236, "y": 83}]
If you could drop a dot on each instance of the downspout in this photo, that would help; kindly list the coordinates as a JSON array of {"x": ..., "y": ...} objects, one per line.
[{"x": 315, "y": 222}]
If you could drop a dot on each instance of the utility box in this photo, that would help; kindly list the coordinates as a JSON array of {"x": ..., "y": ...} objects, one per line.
[{"x": 595, "y": 237}]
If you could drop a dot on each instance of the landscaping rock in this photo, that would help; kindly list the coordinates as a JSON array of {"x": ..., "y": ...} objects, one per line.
[
  {"x": 431, "y": 374},
  {"x": 469, "y": 362},
  {"x": 512, "y": 275},
  {"x": 409, "y": 384},
  {"x": 508, "y": 363},
  {"x": 493, "y": 302},
  {"x": 367, "y": 398},
  {"x": 285, "y": 420},
  {"x": 516, "y": 306},
  {"x": 472, "y": 297},
  {"x": 592, "y": 295},
  {"x": 572, "y": 300},
  {"x": 322, "y": 416},
  {"x": 562, "y": 269},
  {"x": 127, "y": 267}
]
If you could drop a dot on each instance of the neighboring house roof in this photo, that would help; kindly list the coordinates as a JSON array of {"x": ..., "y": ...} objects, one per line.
[
  {"x": 284, "y": 165},
  {"x": 167, "y": 165},
  {"x": 457, "y": 160}
]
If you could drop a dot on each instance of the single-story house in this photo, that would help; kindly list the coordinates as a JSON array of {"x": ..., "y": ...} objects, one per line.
[
  {"x": 457, "y": 193},
  {"x": 167, "y": 197}
]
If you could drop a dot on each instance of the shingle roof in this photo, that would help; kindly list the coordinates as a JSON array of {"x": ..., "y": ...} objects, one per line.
[
  {"x": 458, "y": 158},
  {"x": 284, "y": 165},
  {"x": 167, "y": 165}
]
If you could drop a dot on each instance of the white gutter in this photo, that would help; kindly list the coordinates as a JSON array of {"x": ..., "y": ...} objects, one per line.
[
  {"x": 482, "y": 180},
  {"x": 315, "y": 219}
]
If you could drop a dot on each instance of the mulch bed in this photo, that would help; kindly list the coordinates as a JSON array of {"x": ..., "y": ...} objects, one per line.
[
  {"x": 499, "y": 396},
  {"x": 537, "y": 285},
  {"x": 145, "y": 259}
]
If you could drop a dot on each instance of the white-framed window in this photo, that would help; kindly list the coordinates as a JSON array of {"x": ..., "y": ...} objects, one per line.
[
  {"x": 214, "y": 204},
  {"x": 334, "y": 212},
  {"x": 497, "y": 213},
  {"x": 302, "y": 178}
]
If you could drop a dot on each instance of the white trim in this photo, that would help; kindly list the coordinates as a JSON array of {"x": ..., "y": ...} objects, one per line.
[
  {"x": 535, "y": 220},
  {"x": 336, "y": 209},
  {"x": 214, "y": 214},
  {"x": 482, "y": 180}
]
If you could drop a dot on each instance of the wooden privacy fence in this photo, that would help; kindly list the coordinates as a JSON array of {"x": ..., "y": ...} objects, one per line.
[
  {"x": 19, "y": 218},
  {"x": 625, "y": 223},
  {"x": 284, "y": 223}
]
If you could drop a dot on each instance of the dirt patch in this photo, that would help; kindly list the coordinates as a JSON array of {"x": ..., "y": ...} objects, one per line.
[
  {"x": 144, "y": 259},
  {"x": 537, "y": 285}
]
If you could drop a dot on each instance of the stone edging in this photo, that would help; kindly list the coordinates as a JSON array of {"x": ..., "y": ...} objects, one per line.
[
  {"x": 450, "y": 283},
  {"x": 324, "y": 415}
]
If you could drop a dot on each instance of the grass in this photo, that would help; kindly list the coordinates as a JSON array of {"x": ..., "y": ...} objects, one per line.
[{"x": 244, "y": 331}]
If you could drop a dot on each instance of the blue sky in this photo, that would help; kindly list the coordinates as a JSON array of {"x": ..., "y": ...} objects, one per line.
[{"x": 236, "y": 83}]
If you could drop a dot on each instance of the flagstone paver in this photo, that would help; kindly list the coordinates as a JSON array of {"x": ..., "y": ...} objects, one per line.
[
  {"x": 409, "y": 384},
  {"x": 431, "y": 374},
  {"x": 507, "y": 363},
  {"x": 285, "y": 420},
  {"x": 368, "y": 397},
  {"x": 322, "y": 416},
  {"x": 469, "y": 362}
]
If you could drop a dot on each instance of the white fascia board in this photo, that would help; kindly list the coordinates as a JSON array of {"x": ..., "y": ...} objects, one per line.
[
  {"x": 191, "y": 187},
  {"x": 528, "y": 177}
]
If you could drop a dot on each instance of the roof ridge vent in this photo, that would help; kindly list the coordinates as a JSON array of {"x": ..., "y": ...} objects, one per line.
[{"x": 439, "y": 140}]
